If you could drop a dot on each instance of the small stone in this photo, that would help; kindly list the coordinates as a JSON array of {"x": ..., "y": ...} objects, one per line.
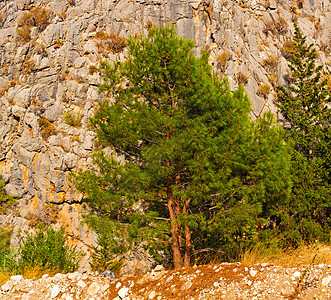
[
  {"x": 123, "y": 292},
  {"x": 93, "y": 288},
  {"x": 16, "y": 278},
  {"x": 7, "y": 286},
  {"x": 58, "y": 277},
  {"x": 326, "y": 280},
  {"x": 81, "y": 283},
  {"x": 118, "y": 285},
  {"x": 296, "y": 274},
  {"x": 55, "y": 291},
  {"x": 252, "y": 272},
  {"x": 109, "y": 274},
  {"x": 234, "y": 270},
  {"x": 152, "y": 294},
  {"x": 216, "y": 284},
  {"x": 72, "y": 276},
  {"x": 159, "y": 268},
  {"x": 104, "y": 287}
]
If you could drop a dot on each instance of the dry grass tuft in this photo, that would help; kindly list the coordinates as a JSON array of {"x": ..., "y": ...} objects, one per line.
[
  {"x": 28, "y": 273},
  {"x": 4, "y": 278},
  {"x": 37, "y": 272},
  {"x": 304, "y": 255}
]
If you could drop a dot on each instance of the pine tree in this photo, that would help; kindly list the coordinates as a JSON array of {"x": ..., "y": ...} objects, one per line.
[
  {"x": 183, "y": 154},
  {"x": 304, "y": 105}
]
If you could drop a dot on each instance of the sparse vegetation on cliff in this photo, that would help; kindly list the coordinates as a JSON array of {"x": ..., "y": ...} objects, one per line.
[
  {"x": 38, "y": 17},
  {"x": 5, "y": 200}
]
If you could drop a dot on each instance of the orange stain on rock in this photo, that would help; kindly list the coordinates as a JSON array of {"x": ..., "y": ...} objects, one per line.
[
  {"x": 34, "y": 204},
  {"x": 35, "y": 159},
  {"x": 62, "y": 197},
  {"x": 25, "y": 175}
]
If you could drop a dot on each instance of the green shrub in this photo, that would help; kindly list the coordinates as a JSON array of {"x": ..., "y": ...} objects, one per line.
[
  {"x": 5, "y": 200},
  {"x": 48, "y": 250},
  {"x": 72, "y": 119},
  {"x": 8, "y": 263}
]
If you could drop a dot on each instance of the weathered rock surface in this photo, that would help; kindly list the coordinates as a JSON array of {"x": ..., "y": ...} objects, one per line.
[
  {"x": 50, "y": 76},
  {"x": 223, "y": 281}
]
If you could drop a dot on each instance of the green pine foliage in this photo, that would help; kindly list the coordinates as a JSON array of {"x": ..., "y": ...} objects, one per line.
[
  {"x": 185, "y": 169},
  {"x": 305, "y": 105},
  {"x": 5, "y": 200}
]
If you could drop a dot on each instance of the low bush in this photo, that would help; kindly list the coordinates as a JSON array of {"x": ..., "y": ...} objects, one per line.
[
  {"x": 23, "y": 33},
  {"x": 72, "y": 119},
  {"x": 93, "y": 69},
  {"x": 272, "y": 252},
  {"x": 47, "y": 128},
  {"x": 271, "y": 64},
  {"x": 287, "y": 49},
  {"x": 276, "y": 27},
  {"x": 110, "y": 42},
  {"x": 241, "y": 78},
  {"x": 263, "y": 90},
  {"x": 222, "y": 60},
  {"x": 48, "y": 250},
  {"x": 43, "y": 252},
  {"x": 38, "y": 17}
]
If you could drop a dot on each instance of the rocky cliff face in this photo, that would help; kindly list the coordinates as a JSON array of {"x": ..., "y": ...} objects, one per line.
[{"x": 49, "y": 57}]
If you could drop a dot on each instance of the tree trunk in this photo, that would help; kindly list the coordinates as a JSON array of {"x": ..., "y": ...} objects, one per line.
[
  {"x": 188, "y": 244},
  {"x": 175, "y": 230},
  {"x": 188, "y": 247}
]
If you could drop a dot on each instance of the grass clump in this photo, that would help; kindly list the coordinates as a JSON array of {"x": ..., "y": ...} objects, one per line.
[
  {"x": 47, "y": 128},
  {"x": 264, "y": 90},
  {"x": 241, "y": 78},
  {"x": 271, "y": 64},
  {"x": 304, "y": 254},
  {"x": 72, "y": 119},
  {"x": 222, "y": 60}
]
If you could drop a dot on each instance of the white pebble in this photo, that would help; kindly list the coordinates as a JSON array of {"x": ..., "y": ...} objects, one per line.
[
  {"x": 118, "y": 285},
  {"x": 123, "y": 292}
]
